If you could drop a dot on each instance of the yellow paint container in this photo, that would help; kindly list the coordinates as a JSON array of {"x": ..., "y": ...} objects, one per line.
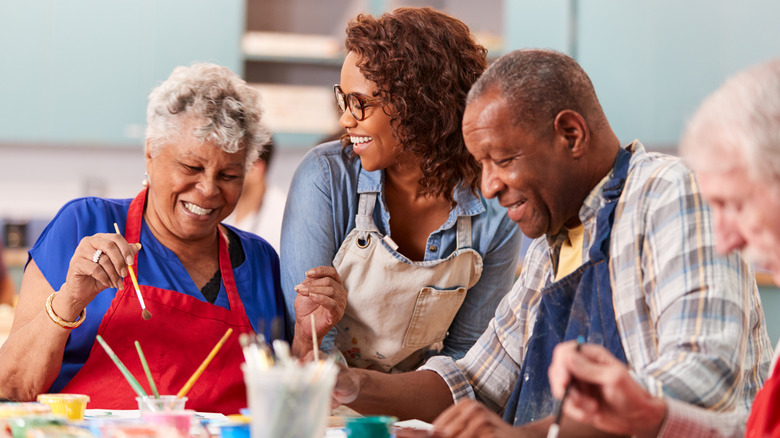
[{"x": 71, "y": 406}]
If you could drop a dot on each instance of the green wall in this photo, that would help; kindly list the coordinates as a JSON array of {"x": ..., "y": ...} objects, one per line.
[{"x": 79, "y": 71}]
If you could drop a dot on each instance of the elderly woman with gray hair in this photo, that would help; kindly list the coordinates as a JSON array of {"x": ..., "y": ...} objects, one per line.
[{"x": 198, "y": 278}]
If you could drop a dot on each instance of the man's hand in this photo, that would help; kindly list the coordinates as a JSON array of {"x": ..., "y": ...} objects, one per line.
[
  {"x": 603, "y": 393},
  {"x": 470, "y": 418}
]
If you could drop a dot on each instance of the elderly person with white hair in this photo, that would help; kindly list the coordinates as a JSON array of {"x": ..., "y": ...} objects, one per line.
[
  {"x": 732, "y": 144},
  {"x": 198, "y": 278}
]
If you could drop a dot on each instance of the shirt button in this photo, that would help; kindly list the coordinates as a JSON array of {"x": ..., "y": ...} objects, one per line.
[{"x": 433, "y": 248}]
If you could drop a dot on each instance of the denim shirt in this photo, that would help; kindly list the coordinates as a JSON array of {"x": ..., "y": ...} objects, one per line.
[{"x": 320, "y": 213}]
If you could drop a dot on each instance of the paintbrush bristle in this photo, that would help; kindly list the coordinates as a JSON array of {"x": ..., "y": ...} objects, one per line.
[{"x": 147, "y": 315}]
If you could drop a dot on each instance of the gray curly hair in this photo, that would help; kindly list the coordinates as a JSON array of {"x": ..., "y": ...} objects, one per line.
[{"x": 229, "y": 107}]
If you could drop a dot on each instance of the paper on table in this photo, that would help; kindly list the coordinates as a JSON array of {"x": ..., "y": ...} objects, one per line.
[{"x": 414, "y": 424}]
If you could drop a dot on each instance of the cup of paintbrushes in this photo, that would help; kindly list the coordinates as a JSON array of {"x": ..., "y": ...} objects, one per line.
[{"x": 290, "y": 400}]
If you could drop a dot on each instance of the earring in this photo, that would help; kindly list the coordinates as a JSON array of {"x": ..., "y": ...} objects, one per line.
[{"x": 145, "y": 182}]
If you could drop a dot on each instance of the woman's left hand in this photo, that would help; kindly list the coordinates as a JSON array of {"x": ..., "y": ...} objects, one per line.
[{"x": 321, "y": 294}]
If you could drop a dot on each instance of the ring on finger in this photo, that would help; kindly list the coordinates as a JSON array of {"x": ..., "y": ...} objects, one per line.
[{"x": 96, "y": 255}]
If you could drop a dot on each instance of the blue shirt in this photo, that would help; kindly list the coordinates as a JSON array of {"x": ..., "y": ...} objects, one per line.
[
  {"x": 320, "y": 213},
  {"x": 257, "y": 278}
]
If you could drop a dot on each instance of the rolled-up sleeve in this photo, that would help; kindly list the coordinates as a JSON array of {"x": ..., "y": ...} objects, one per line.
[{"x": 685, "y": 420}]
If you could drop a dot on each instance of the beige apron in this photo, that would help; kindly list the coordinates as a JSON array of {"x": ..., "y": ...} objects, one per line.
[{"x": 398, "y": 309}]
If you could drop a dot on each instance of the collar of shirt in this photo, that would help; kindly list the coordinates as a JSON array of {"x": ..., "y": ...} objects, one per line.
[
  {"x": 589, "y": 210},
  {"x": 467, "y": 203}
]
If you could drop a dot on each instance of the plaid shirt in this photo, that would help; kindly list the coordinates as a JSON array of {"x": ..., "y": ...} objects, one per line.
[{"x": 690, "y": 320}]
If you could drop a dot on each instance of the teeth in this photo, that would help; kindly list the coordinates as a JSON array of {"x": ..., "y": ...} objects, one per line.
[
  {"x": 357, "y": 140},
  {"x": 513, "y": 207},
  {"x": 200, "y": 211}
]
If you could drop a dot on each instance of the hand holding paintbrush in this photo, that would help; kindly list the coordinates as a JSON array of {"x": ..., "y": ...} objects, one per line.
[
  {"x": 556, "y": 426},
  {"x": 145, "y": 314}
]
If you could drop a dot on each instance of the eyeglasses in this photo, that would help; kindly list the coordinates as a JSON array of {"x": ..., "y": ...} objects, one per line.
[{"x": 356, "y": 104}]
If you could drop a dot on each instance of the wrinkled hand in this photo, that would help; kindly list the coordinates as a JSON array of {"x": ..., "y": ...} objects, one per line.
[
  {"x": 87, "y": 278},
  {"x": 469, "y": 418},
  {"x": 603, "y": 394},
  {"x": 323, "y": 295}
]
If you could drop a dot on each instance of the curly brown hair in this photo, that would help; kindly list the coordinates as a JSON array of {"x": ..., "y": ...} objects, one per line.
[{"x": 423, "y": 62}]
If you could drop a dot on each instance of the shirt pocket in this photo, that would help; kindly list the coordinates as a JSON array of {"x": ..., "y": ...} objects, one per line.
[{"x": 433, "y": 313}]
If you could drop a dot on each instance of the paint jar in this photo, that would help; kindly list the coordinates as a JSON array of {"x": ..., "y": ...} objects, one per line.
[
  {"x": 165, "y": 403},
  {"x": 20, "y": 409},
  {"x": 72, "y": 406},
  {"x": 369, "y": 427},
  {"x": 234, "y": 430},
  {"x": 58, "y": 431},
  {"x": 20, "y": 425},
  {"x": 130, "y": 430},
  {"x": 178, "y": 421}
]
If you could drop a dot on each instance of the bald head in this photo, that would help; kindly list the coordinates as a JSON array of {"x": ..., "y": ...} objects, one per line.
[{"x": 539, "y": 84}]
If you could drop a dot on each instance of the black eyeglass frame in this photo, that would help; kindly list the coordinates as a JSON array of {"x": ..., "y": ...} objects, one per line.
[{"x": 355, "y": 103}]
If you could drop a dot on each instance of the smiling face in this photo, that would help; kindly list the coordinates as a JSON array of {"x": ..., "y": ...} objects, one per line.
[
  {"x": 530, "y": 175},
  {"x": 193, "y": 187},
  {"x": 372, "y": 138},
  {"x": 745, "y": 213}
]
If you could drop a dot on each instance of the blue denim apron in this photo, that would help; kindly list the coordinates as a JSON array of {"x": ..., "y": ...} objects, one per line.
[{"x": 578, "y": 304}]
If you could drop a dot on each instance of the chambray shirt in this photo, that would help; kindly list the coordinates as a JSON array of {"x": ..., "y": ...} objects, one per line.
[
  {"x": 320, "y": 213},
  {"x": 690, "y": 321}
]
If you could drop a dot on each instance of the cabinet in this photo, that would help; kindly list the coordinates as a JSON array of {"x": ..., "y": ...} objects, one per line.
[{"x": 293, "y": 51}]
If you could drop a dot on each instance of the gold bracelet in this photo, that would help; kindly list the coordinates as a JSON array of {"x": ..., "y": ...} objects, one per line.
[{"x": 70, "y": 325}]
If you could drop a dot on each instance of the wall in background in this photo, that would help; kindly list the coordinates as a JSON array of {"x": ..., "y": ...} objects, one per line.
[
  {"x": 78, "y": 72},
  {"x": 651, "y": 61}
]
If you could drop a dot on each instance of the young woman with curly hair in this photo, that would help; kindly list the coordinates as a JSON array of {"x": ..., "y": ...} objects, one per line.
[{"x": 392, "y": 215}]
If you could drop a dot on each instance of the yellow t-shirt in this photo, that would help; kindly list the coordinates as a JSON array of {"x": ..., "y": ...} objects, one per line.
[{"x": 570, "y": 257}]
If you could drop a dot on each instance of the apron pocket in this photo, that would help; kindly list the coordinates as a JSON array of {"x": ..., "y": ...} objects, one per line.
[{"x": 434, "y": 311}]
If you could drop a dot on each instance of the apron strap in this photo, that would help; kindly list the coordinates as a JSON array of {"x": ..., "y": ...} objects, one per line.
[
  {"x": 464, "y": 232},
  {"x": 364, "y": 219},
  {"x": 611, "y": 194}
]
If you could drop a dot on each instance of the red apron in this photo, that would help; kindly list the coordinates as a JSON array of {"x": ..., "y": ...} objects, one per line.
[
  {"x": 181, "y": 333},
  {"x": 764, "y": 420}
]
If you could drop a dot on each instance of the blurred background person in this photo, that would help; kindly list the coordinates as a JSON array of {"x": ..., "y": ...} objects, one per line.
[
  {"x": 197, "y": 277},
  {"x": 260, "y": 208},
  {"x": 732, "y": 144},
  {"x": 393, "y": 215}
]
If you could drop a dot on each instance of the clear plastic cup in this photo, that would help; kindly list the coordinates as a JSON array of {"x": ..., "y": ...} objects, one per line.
[
  {"x": 72, "y": 406},
  {"x": 290, "y": 400},
  {"x": 166, "y": 403},
  {"x": 179, "y": 421},
  {"x": 130, "y": 430}
]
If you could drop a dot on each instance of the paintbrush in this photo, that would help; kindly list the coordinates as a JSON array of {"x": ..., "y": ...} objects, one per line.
[
  {"x": 144, "y": 312},
  {"x": 147, "y": 371},
  {"x": 556, "y": 426},
  {"x": 187, "y": 386},
  {"x": 314, "y": 339},
  {"x": 122, "y": 368}
]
